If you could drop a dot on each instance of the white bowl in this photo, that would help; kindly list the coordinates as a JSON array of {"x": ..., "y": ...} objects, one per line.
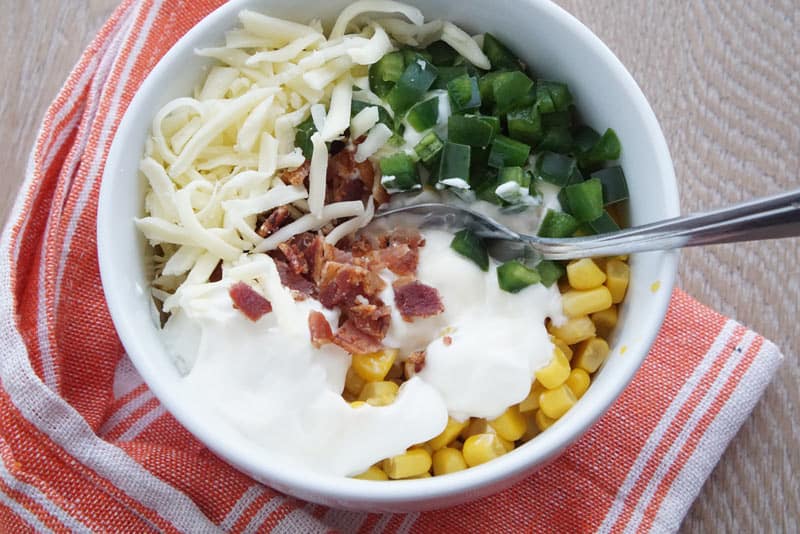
[{"x": 557, "y": 47}]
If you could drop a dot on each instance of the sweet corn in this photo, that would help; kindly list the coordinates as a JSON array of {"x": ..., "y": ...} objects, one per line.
[
  {"x": 409, "y": 464},
  {"x": 449, "y": 433},
  {"x": 358, "y": 404},
  {"x": 476, "y": 426},
  {"x": 542, "y": 421},
  {"x": 618, "y": 274},
  {"x": 353, "y": 383},
  {"x": 481, "y": 448},
  {"x": 585, "y": 274},
  {"x": 374, "y": 366},
  {"x": 373, "y": 473},
  {"x": 531, "y": 402},
  {"x": 556, "y": 371},
  {"x": 531, "y": 429},
  {"x": 590, "y": 354},
  {"x": 578, "y": 381},
  {"x": 563, "y": 346},
  {"x": 447, "y": 460},
  {"x": 379, "y": 393},
  {"x": 421, "y": 475},
  {"x": 583, "y": 302},
  {"x": 574, "y": 330},
  {"x": 509, "y": 426},
  {"x": 605, "y": 321},
  {"x": 555, "y": 402}
]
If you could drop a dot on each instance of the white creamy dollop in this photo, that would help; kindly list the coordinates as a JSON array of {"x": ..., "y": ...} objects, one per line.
[{"x": 268, "y": 383}]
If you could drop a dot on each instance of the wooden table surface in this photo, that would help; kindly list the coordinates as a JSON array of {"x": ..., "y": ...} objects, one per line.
[{"x": 723, "y": 79}]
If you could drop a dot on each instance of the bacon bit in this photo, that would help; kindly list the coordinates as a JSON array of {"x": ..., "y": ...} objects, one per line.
[
  {"x": 400, "y": 259},
  {"x": 216, "y": 274},
  {"x": 379, "y": 194},
  {"x": 372, "y": 319},
  {"x": 417, "y": 359},
  {"x": 300, "y": 285},
  {"x": 249, "y": 301},
  {"x": 348, "y": 180},
  {"x": 274, "y": 221},
  {"x": 320, "y": 329},
  {"x": 342, "y": 282},
  {"x": 416, "y": 299},
  {"x": 447, "y": 340},
  {"x": 355, "y": 341},
  {"x": 298, "y": 175},
  {"x": 406, "y": 236}
]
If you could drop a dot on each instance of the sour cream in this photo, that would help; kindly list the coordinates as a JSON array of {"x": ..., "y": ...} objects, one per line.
[{"x": 267, "y": 383}]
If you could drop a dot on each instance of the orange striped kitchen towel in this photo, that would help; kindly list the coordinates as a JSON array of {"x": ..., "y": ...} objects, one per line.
[{"x": 84, "y": 445}]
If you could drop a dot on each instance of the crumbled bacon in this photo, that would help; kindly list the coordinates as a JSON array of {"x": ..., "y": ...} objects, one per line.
[
  {"x": 372, "y": 319},
  {"x": 298, "y": 175},
  {"x": 216, "y": 274},
  {"x": 416, "y": 299},
  {"x": 400, "y": 259},
  {"x": 417, "y": 359},
  {"x": 348, "y": 180},
  {"x": 302, "y": 286},
  {"x": 320, "y": 329},
  {"x": 447, "y": 340},
  {"x": 276, "y": 219},
  {"x": 356, "y": 341},
  {"x": 342, "y": 282},
  {"x": 249, "y": 301}
]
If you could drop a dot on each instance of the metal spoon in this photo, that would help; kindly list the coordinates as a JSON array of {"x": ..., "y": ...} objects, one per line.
[{"x": 766, "y": 218}]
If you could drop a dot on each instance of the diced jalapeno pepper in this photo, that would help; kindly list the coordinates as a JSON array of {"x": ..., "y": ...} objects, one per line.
[
  {"x": 499, "y": 55},
  {"x": 424, "y": 115},
  {"x": 557, "y": 224},
  {"x": 302, "y": 136},
  {"x": 585, "y": 199},
  {"x": 399, "y": 172},
  {"x": 604, "y": 224},
  {"x": 385, "y": 73},
  {"x": 507, "y": 152},
  {"x": 584, "y": 139},
  {"x": 471, "y": 247},
  {"x": 513, "y": 276},
  {"x": 555, "y": 168},
  {"x": 454, "y": 162},
  {"x": 606, "y": 148},
  {"x": 469, "y": 130},
  {"x": 448, "y": 73},
  {"x": 556, "y": 140},
  {"x": 550, "y": 272},
  {"x": 383, "y": 116},
  {"x": 615, "y": 186},
  {"x": 464, "y": 93},
  {"x": 442, "y": 54},
  {"x": 525, "y": 125},
  {"x": 511, "y": 90},
  {"x": 417, "y": 78},
  {"x": 558, "y": 92}
]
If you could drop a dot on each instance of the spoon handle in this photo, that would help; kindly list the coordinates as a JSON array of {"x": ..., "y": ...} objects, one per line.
[{"x": 767, "y": 218}]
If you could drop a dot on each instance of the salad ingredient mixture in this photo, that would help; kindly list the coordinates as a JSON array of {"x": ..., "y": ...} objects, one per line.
[{"x": 407, "y": 352}]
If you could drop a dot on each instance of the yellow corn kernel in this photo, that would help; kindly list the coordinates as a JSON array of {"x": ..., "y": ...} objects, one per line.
[
  {"x": 578, "y": 381},
  {"x": 554, "y": 374},
  {"x": 531, "y": 402},
  {"x": 447, "y": 460},
  {"x": 457, "y": 444},
  {"x": 449, "y": 433},
  {"x": 510, "y": 425},
  {"x": 590, "y": 354},
  {"x": 585, "y": 274},
  {"x": 574, "y": 330},
  {"x": 563, "y": 346},
  {"x": 532, "y": 429},
  {"x": 618, "y": 275},
  {"x": 421, "y": 475},
  {"x": 555, "y": 402},
  {"x": 542, "y": 421},
  {"x": 353, "y": 383},
  {"x": 374, "y": 366},
  {"x": 409, "y": 464},
  {"x": 507, "y": 445},
  {"x": 379, "y": 393},
  {"x": 605, "y": 321},
  {"x": 424, "y": 446},
  {"x": 358, "y": 404},
  {"x": 481, "y": 448},
  {"x": 583, "y": 302},
  {"x": 476, "y": 426},
  {"x": 373, "y": 473}
]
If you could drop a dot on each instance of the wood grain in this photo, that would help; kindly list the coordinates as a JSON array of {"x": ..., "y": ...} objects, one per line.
[{"x": 724, "y": 81}]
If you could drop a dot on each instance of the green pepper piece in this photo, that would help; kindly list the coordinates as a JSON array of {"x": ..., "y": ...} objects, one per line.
[
  {"x": 585, "y": 199},
  {"x": 525, "y": 125},
  {"x": 471, "y": 247},
  {"x": 442, "y": 54},
  {"x": 468, "y": 130},
  {"x": 550, "y": 272},
  {"x": 464, "y": 93},
  {"x": 514, "y": 276},
  {"x": 555, "y": 168},
  {"x": 448, "y": 73},
  {"x": 557, "y": 224},
  {"x": 513, "y": 184},
  {"x": 511, "y": 90},
  {"x": 383, "y": 116},
  {"x": 424, "y": 115},
  {"x": 558, "y": 92},
  {"x": 544, "y": 102},
  {"x": 507, "y": 152},
  {"x": 454, "y": 164},
  {"x": 606, "y": 148},
  {"x": 604, "y": 224},
  {"x": 428, "y": 147},
  {"x": 385, "y": 73},
  {"x": 584, "y": 139},
  {"x": 557, "y": 119},
  {"x": 417, "y": 78},
  {"x": 485, "y": 87},
  {"x": 412, "y": 54},
  {"x": 302, "y": 137},
  {"x": 492, "y": 121},
  {"x": 615, "y": 186},
  {"x": 399, "y": 172},
  {"x": 499, "y": 55},
  {"x": 556, "y": 140}
]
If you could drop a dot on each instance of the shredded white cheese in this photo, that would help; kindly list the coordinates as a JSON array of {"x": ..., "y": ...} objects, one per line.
[
  {"x": 373, "y": 6},
  {"x": 352, "y": 225},
  {"x": 377, "y": 137},
  {"x": 338, "y": 118},
  {"x": 363, "y": 121},
  {"x": 317, "y": 175},
  {"x": 464, "y": 45}
]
